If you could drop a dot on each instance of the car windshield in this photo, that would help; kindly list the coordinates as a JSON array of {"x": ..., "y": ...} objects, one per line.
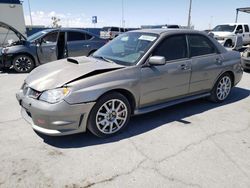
[
  {"x": 127, "y": 49},
  {"x": 36, "y": 35},
  {"x": 225, "y": 28}
]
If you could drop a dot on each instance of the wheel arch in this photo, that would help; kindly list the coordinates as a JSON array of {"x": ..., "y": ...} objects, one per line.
[{"x": 126, "y": 93}]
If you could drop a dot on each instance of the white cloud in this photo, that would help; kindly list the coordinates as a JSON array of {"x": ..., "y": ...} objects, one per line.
[{"x": 66, "y": 20}]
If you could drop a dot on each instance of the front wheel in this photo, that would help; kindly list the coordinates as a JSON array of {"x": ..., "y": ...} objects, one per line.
[
  {"x": 110, "y": 115},
  {"x": 23, "y": 64},
  {"x": 222, "y": 88}
]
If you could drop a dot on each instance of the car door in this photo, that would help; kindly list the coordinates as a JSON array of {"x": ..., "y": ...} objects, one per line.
[
  {"x": 78, "y": 43},
  {"x": 47, "y": 49},
  {"x": 246, "y": 35},
  {"x": 169, "y": 81},
  {"x": 206, "y": 63}
]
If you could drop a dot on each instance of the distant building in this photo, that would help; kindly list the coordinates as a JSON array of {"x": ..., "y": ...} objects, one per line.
[{"x": 11, "y": 12}]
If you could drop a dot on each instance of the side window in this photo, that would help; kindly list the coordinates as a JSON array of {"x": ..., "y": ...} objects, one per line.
[
  {"x": 87, "y": 36},
  {"x": 51, "y": 37},
  {"x": 172, "y": 48},
  {"x": 75, "y": 36},
  {"x": 246, "y": 28},
  {"x": 115, "y": 29},
  {"x": 239, "y": 27},
  {"x": 200, "y": 45}
]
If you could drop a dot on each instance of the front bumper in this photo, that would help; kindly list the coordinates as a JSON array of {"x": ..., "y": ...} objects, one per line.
[
  {"x": 6, "y": 60},
  {"x": 54, "y": 119},
  {"x": 245, "y": 62}
]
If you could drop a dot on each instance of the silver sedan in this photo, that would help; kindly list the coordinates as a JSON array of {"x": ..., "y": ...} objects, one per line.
[{"x": 138, "y": 72}]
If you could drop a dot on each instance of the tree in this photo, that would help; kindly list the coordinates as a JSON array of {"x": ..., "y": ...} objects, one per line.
[{"x": 55, "y": 22}]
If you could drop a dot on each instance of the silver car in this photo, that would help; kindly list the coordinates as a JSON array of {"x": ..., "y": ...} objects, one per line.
[
  {"x": 46, "y": 46},
  {"x": 136, "y": 73}
]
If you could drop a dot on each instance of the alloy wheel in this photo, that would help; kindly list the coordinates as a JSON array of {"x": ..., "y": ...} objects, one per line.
[
  {"x": 111, "y": 116},
  {"x": 23, "y": 64},
  {"x": 223, "y": 88}
]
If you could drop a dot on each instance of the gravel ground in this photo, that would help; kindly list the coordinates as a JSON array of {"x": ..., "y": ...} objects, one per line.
[{"x": 196, "y": 144}]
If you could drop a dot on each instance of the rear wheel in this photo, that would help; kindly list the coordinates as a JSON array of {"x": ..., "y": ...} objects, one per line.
[
  {"x": 110, "y": 115},
  {"x": 222, "y": 88},
  {"x": 23, "y": 64}
]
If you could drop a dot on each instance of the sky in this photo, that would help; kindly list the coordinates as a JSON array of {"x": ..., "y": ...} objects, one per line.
[{"x": 78, "y": 13}]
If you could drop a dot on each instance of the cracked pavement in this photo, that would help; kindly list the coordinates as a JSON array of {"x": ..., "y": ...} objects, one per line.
[{"x": 195, "y": 144}]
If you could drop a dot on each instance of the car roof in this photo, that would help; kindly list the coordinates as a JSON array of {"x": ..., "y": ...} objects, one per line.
[
  {"x": 169, "y": 31},
  {"x": 65, "y": 29}
]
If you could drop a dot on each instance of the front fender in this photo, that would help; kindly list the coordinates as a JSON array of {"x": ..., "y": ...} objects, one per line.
[{"x": 92, "y": 93}]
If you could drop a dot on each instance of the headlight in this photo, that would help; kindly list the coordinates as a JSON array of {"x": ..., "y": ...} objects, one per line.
[
  {"x": 5, "y": 50},
  {"x": 54, "y": 95},
  {"x": 246, "y": 53}
]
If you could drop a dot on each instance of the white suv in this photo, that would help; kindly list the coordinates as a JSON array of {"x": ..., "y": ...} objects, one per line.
[
  {"x": 226, "y": 33},
  {"x": 111, "y": 32}
]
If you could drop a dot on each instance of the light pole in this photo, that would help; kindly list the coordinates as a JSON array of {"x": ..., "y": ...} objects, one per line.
[
  {"x": 189, "y": 14},
  {"x": 30, "y": 13}
]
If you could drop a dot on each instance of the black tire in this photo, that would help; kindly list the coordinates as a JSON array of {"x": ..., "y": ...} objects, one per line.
[
  {"x": 111, "y": 122},
  {"x": 218, "y": 88},
  {"x": 228, "y": 44},
  {"x": 23, "y": 63}
]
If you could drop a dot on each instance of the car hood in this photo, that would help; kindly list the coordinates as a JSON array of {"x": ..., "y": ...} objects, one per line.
[
  {"x": 56, "y": 74},
  {"x": 18, "y": 34}
]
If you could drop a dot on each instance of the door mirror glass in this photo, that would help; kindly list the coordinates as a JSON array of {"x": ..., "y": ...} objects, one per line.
[{"x": 157, "y": 60}]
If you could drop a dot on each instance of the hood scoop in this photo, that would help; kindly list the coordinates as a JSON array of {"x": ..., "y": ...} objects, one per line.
[{"x": 72, "y": 60}]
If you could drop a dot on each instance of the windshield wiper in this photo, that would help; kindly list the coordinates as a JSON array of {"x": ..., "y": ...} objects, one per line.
[{"x": 104, "y": 58}]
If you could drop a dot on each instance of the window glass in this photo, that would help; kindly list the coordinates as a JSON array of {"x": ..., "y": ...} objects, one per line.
[
  {"x": 246, "y": 28},
  {"x": 87, "y": 36},
  {"x": 51, "y": 37},
  {"x": 75, "y": 36},
  {"x": 200, "y": 45},
  {"x": 172, "y": 48},
  {"x": 115, "y": 29}
]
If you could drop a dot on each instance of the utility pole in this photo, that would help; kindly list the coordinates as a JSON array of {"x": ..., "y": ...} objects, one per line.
[
  {"x": 123, "y": 21},
  {"x": 189, "y": 14},
  {"x": 30, "y": 13}
]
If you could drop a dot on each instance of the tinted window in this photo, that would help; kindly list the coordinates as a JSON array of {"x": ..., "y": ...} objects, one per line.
[
  {"x": 115, "y": 29},
  {"x": 172, "y": 48},
  {"x": 246, "y": 28},
  {"x": 87, "y": 36},
  {"x": 75, "y": 36},
  {"x": 200, "y": 45},
  {"x": 51, "y": 37}
]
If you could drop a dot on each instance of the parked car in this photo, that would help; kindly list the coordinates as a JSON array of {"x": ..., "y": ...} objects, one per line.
[
  {"x": 111, "y": 32},
  {"x": 245, "y": 60},
  {"x": 46, "y": 46},
  {"x": 136, "y": 73},
  {"x": 226, "y": 33}
]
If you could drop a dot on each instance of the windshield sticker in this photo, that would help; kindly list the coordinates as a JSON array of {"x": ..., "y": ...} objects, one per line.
[
  {"x": 124, "y": 38},
  {"x": 147, "y": 37}
]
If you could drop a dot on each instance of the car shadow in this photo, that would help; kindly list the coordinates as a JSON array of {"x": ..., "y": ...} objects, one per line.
[{"x": 147, "y": 122}]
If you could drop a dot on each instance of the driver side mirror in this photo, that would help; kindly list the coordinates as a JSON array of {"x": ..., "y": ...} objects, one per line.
[
  {"x": 240, "y": 31},
  {"x": 157, "y": 60}
]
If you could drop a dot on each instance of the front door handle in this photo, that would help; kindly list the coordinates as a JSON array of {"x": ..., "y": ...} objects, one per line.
[
  {"x": 218, "y": 61},
  {"x": 86, "y": 46},
  {"x": 53, "y": 48},
  {"x": 184, "y": 67}
]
